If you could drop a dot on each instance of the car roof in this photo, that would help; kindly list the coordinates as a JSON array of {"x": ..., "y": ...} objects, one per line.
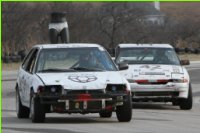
[
  {"x": 68, "y": 45},
  {"x": 145, "y": 45}
]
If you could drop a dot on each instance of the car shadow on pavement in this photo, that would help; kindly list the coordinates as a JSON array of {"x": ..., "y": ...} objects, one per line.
[
  {"x": 154, "y": 106},
  {"x": 61, "y": 120},
  {"x": 35, "y": 130},
  {"x": 79, "y": 120}
]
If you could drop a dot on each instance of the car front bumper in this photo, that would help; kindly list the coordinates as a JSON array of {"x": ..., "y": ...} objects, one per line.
[
  {"x": 81, "y": 103},
  {"x": 169, "y": 90}
]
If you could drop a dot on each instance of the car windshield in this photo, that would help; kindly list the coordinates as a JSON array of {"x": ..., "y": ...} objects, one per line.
[
  {"x": 148, "y": 56},
  {"x": 74, "y": 59}
]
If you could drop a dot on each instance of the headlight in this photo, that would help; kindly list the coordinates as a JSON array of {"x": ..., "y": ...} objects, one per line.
[
  {"x": 115, "y": 88},
  {"x": 51, "y": 89}
]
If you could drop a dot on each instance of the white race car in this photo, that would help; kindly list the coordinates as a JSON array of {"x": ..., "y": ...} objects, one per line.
[
  {"x": 156, "y": 73},
  {"x": 71, "y": 78}
]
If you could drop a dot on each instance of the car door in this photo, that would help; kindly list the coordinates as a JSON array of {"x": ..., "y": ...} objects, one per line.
[
  {"x": 21, "y": 75},
  {"x": 28, "y": 76}
]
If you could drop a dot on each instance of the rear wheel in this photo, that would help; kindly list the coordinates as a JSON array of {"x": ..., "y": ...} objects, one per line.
[
  {"x": 22, "y": 111},
  {"x": 186, "y": 104},
  {"x": 124, "y": 112},
  {"x": 37, "y": 113},
  {"x": 105, "y": 114}
]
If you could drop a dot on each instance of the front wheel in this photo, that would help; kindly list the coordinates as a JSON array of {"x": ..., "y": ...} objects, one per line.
[
  {"x": 186, "y": 104},
  {"x": 124, "y": 112},
  {"x": 22, "y": 111},
  {"x": 37, "y": 113}
]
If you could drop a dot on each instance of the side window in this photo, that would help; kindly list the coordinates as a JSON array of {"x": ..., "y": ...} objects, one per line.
[
  {"x": 26, "y": 60},
  {"x": 31, "y": 61}
]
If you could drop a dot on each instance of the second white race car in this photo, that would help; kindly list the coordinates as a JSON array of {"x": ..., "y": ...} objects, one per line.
[{"x": 156, "y": 73}]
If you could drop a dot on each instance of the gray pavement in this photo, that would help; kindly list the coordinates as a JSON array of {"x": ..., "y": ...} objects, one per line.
[{"x": 147, "y": 117}]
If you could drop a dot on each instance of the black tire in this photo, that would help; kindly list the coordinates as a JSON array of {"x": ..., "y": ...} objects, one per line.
[
  {"x": 105, "y": 114},
  {"x": 186, "y": 104},
  {"x": 37, "y": 112},
  {"x": 22, "y": 111},
  {"x": 124, "y": 112}
]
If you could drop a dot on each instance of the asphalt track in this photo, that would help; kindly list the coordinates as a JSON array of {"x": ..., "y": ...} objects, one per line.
[{"x": 147, "y": 118}]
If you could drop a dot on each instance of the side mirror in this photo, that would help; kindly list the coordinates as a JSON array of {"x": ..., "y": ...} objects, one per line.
[
  {"x": 185, "y": 62},
  {"x": 123, "y": 66}
]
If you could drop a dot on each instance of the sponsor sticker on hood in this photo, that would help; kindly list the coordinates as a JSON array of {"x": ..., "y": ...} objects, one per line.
[
  {"x": 151, "y": 71},
  {"x": 83, "y": 78}
]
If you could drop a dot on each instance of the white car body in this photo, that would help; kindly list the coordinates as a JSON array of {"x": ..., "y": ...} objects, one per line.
[
  {"x": 155, "y": 82},
  {"x": 155, "y": 73},
  {"x": 32, "y": 82}
]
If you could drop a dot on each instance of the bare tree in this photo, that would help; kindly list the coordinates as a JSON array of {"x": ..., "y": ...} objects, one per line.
[{"x": 26, "y": 24}]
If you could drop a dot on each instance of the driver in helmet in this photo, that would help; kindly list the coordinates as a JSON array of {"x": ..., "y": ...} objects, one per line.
[{"x": 85, "y": 60}]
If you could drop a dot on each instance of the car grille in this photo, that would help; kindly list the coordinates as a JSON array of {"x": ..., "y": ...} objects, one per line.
[{"x": 85, "y": 91}]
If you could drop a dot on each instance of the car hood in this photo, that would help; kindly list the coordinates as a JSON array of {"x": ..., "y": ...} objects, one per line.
[
  {"x": 82, "y": 80},
  {"x": 153, "y": 72}
]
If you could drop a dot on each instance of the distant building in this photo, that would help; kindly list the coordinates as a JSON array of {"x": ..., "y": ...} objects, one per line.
[{"x": 154, "y": 16}]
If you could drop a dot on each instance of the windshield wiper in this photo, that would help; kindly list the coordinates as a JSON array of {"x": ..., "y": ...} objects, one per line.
[
  {"x": 86, "y": 69},
  {"x": 56, "y": 70}
]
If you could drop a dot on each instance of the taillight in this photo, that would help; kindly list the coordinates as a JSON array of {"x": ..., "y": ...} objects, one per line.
[
  {"x": 142, "y": 81},
  {"x": 162, "y": 81}
]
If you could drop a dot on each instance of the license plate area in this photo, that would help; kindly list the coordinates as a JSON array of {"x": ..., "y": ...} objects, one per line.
[{"x": 83, "y": 105}]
